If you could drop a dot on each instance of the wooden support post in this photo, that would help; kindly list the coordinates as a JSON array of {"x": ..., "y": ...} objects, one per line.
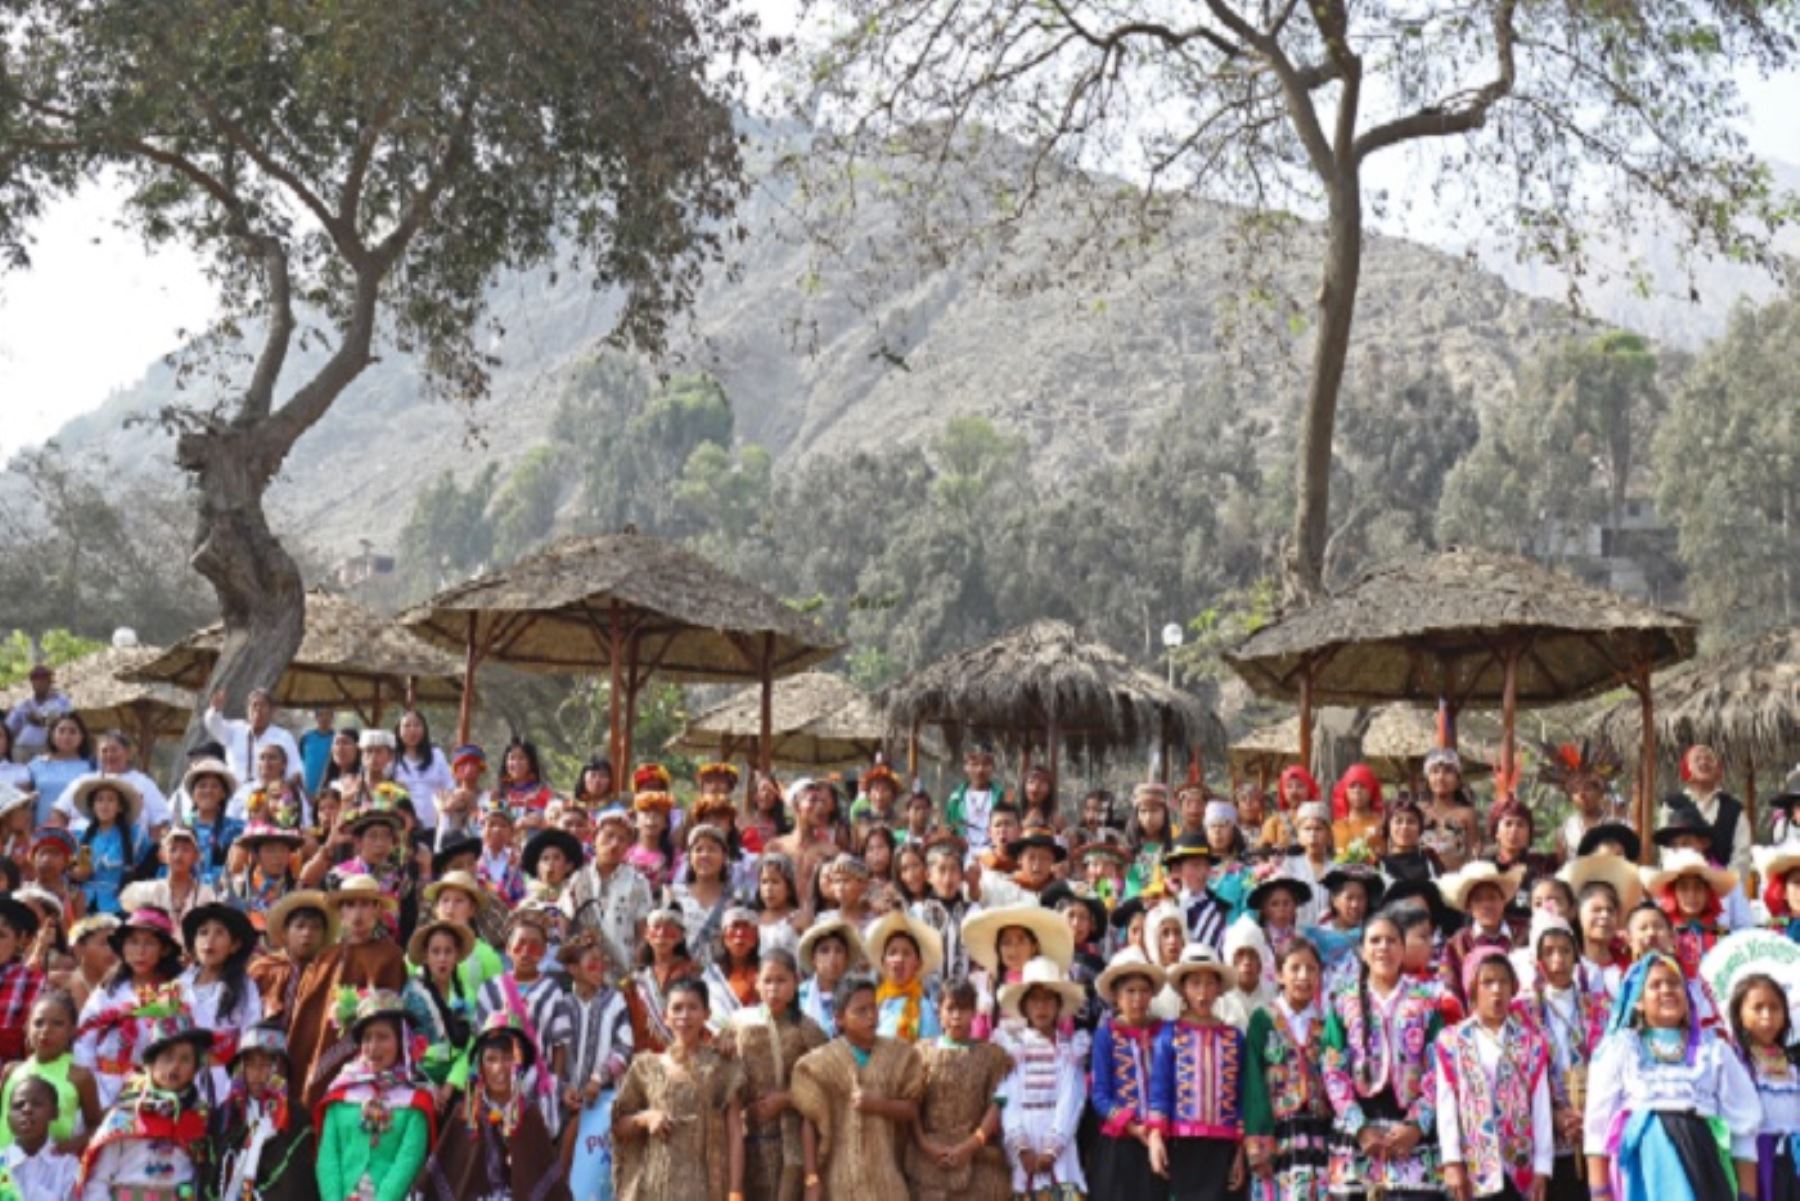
[
  {"x": 1306, "y": 717},
  {"x": 912, "y": 753},
  {"x": 615, "y": 692},
  {"x": 465, "y": 712},
  {"x": 1051, "y": 738},
  {"x": 1750, "y": 797},
  {"x": 765, "y": 743},
  {"x": 631, "y": 693},
  {"x": 376, "y": 711},
  {"x": 1646, "y": 798},
  {"x": 1509, "y": 710}
]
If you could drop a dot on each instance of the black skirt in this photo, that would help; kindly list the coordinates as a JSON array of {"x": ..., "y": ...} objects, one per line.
[
  {"x": 1698, "y": 1151},
  {"x": 1200, "y": 1169},
  {"x": 1121, "y": 1168},
  {"x": 1569, "y": 1181}
]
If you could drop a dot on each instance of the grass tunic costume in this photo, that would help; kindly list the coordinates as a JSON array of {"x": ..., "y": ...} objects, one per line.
[
  {"x": 961, "y": 1081},
  {"x": 692, "y": 1163},
  {"x": 858, "y": 1154},
  {"x": 768, "y": 1047}
]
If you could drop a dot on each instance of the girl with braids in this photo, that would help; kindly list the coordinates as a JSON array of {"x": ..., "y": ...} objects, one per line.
[
  {"x": 662, "y": 960},
  {"x": 1666, "y": 1098},
  {"x": 106, "y": 1042},
  {"x": 1762, "y": 1026},
  {"x": 768, "y": 1040},
  {"x": 1379, "y": 1030},
  {"x": 378, "y": 1119},
  {"x": 495, "y": 1144},
  {"x": 218, "y": 990},
  {"x": 111, "y": 847},
  {"x": 1287, "y": 1118}
]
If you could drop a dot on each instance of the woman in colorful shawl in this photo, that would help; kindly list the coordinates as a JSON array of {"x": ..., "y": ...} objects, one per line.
[
  {"x": 378, "y": 1119},
  {"x": 259, "y": 1149},
  {"x": 1672, "y": 1112}
]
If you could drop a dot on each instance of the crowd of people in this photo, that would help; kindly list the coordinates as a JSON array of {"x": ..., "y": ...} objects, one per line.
[{"x": 351, "y": 965}]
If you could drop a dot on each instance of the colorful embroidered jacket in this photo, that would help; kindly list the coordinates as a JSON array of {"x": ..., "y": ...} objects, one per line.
[
  {"x": 1282, "y": 1081},
  {"x": 1121, "y": 1083},
  {"x": 1494, "y": 1117},
  {"x": 1371, "y": 1047},
  {"x": 1197, "y": 1081},
  {"x": 1573, "y": 1039}
]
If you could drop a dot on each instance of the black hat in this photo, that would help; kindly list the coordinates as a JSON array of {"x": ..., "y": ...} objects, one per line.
[
  {"x": 1442, "y": 916},
  {"x": 206, "y": 750},
  {"x": 562, "y": 840},
  {"x": 1038, "y": 840},
  {"x": 1684, "y": 821},
  {"x": 1301, "y": 890},
  {"x": 1348, "y": 873},
  {"x": 1061, "y": 893},
  {"x": 459, "y": 844},
  {"x": 1786, "y": 803},
  {"x": 1188, "y": 846},
  {"x": 19, "y": 916},
  {"x": 1630, "y": 845},
  {"x": 234, "y": 920},
  {"x": 1124, "y": 911}
]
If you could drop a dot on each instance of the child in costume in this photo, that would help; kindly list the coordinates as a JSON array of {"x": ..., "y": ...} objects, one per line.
[
  {"x": 76, "y": 1094},
  {"x": 32, "y": 1167},
  {"x": 1000, "y": 942},
  {"x": 768, "y": 1040},
  {"x": 907, "y": 953},
  {"x": 1666, "y": 1097},
  {"x": 447, "y": 1013},
  {"x": 1148, "y": 834},
  {"x": 378, "y": 1119},
  {"x": 1379, "y": 1028},
  {"x": 731, "y": 976},
  {"x": 1483, "y": 892},
  {"x": 1690, "y": 891},
  {"x": 1123, "y": 1042},
  {"x": 1046, "y": 1090},
  {"x": 52, "y": 855},
  {"x": 1776, "y": 866},
  {"x": 1762, "y": 1027},
  {"x": 653, "y": 854},
  {"x": 955, "y": 1150},
  {"x": 93, "y": 958},
  {"x": 678, "y": 1119},
  {"x": 363, "y": 957},
  {"x": 217, "y": 989},
  {"x": 1572, "y": 1014},
  {"x": 1287, "y": 1117},
  {"x": 1356, "y": 809},
  {"x": 259, "y": 1148},
  {"x": 300, "y": 927},
  {"x": 458, "y": 897},
  {"x": 151, "y": 1142},
  {"x": 498, "y": 866},
  {"x": 1197, "y": 1086},
  {"x": 1494, "y": 1118},
  {"x": 108, "y": 1040},
  {"x": 538, "y": 1001},
  {"x": 599, "y": 1052},
  {"x": 495, "y": 1144},
  {"x": 662, "y": 960},
  {"x": 860, "y": 1097},
  {"x": 20, "y": 983},
  {"x": 828, "y": 951}
]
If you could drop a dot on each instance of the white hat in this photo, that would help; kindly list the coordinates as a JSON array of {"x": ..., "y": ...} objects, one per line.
[
  {"x": 368, "y": 740},
  {"x": 1684, "y": 862},
  {"x": 820, "y": 930},
  {"x": 798, "y": 789},
  {"x": 1159, "y": 917},
  {"x": 981, "y": 933},
  {"x": 1198, "y": 957},
  {"x": 1042, "y": 973},
  {"x": 1313, "y": 811},
  {"x": 1129, "y": 962},
  {"x": 1607, "y": 867},
  {"x": 898, "y": 921},
  {"x": 1220, "y": 813},
  {"x": 1246, "y": 934},
  {"x": 131, "y": 801},
  {"x": 1456, "y": 887},
  {"x": 1774, "y": 863},
  {"x": 1544, "y": 922}
]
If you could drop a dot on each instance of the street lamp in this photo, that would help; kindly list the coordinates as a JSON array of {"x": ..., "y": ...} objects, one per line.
[{"x": 1172, "y": 638}]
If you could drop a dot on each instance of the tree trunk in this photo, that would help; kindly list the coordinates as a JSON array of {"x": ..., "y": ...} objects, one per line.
[
  {"x": 261, "y": 595},
  {"x": 1305, "y": 567}
]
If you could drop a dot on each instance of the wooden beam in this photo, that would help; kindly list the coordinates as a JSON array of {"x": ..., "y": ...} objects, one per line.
[
  {"x": 631, "y": 693},
  {"x": 614, "y": 693},
  {"x": 765, "y": 750},
  {"x": 1509, "y": 711},
  {"x": 1306, "y": 721},
  {"x": 465, "y": 710}
]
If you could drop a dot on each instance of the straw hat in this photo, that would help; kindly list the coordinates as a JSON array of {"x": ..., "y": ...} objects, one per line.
[
  {"x": 931, "y": 947},
  {"x": 463, "y": 882},
  {"x": 360, "y": 888},
  {"x": 465, "y": 940},
  {"x": 1129, "y": 962},
  {"x": 1196, "y": 958},
  {"x": 1679, "y": 863},
  {"x": 818, "y": 930},
  {"x": 1042, "y": 973},
  {"x": 1609, "y": 868},
  {"x": 210, "y": 767},
  {"x": 1774, "y": 863},
  {"x": 981, "y": 933},
  {"x": 1457, "y": 886},
  {"x": 131, "y": 799},
  {"x": 294, "y": 902}
]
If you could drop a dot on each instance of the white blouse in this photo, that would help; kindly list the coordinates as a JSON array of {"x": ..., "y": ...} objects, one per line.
[
  {"x": 1623, "y": 1076},
  {"x": 1780, "y": 1103}
]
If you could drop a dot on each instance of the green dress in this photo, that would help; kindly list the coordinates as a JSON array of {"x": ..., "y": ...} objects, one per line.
[
  {"x": 56, "y": 1075},
  {"x": 391, "y": 1163}
]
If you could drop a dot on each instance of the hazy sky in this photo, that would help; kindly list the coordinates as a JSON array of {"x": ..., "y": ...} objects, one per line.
[{"x": 96, "y": 309}]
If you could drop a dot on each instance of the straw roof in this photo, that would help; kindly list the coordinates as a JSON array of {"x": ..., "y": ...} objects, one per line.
[
  {"x": 1266, "y": 749},
  {"x": 1015, "y": 687},
  {"x": 1417, "y": 629},
  {"x": 348, "y": 655},
  {"x": 107, "y": 702},
  {"x": 1743, "y": 702},
  {"x": 551, "y": 613},
  {"x": 1400, "y": 736},
  {"x": 817, "y": 720}
]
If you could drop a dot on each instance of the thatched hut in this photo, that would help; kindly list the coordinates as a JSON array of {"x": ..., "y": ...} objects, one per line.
[
  {"x": 1743, "y": 702},
  {"x": 349, "y": 657},
  {"x": 1400, "y": 736},
  {"x": 145, "y": 710},
  {"x": 1042, "y": 686},
  {"x": 1464, "y": 628},
  {"x": 624, "y": 603},
  {"x": 817, "y": 720}
]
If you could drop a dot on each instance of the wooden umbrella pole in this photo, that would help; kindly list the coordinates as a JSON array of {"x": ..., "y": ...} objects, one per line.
[
  {"x": 465, "y": 711},
  {"x": 1306, "y": 718},
  {"x": 1750, "y": 796},
  {"x": 616, "y": 663},
  {"x": 765, "y": 747},
  {"x": 631, "y": 692},
  {"x": 1509, "y": 710},
  {"x": 1647, "y": 768},
  {"x": 146, "y": 735},
  {"x": 912, "y": 752},
  {"x": 376, "y": 704}
]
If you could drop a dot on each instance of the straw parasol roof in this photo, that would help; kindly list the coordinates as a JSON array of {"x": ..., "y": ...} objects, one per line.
[
  {"x": 1400, "y": 736},
  {"x": 1743, "y": 702},
  {"x": 818, "y": 720},
  {"x": 1043, "y": 678},
  {"x": 1266, "y": 750},
  {"x": 1437, "y": 626},
  {"x": 147, "y": 711},
  {"x": 550, "y": 613},
  {"x": 348, "y": 655}
]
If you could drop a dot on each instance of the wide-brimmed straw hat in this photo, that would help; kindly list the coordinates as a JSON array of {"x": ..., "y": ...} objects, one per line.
[
  {"x": 981, "y": 933},
  {"x": 1679, "y": 863},
  {"x": 824, "y": 929},
  {"x": 360, "y": 888},
  {"x": 1042, "y": 973},
  {"x": 1128, "y": 962},
  {"x": 931, "y": 947},
  {"x": 1774, "y": 863},
  {"x": 210, "y": 767},
  {"x": 1196, "y": 958},
  {"x": 465, "y": 940},
  {"x": 459, "y": 881},
  {"x": 1456, "y": 887},
  {"x": 130, "y": 799},
  {"x": 296, "y": 901},
  {"x": 1608, "y": 868}
]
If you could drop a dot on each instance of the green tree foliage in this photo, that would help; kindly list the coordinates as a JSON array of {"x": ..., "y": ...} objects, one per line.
[
  {"x": 54, "y": 646},
  {"x": 448, "y": 534},
  {"x": 726, "y": 494},
  {"x": 524, "y": 510},
  {"x": 1728, "y": 469}
]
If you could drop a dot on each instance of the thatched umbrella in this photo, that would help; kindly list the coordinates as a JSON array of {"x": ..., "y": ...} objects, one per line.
[
  {"x": 1041, "y": 685},
  {"x": 1743, "y": 702},
  {"x": 349, "y": 656},
  {"x": 1265, "y": 751},
  {"x": 816, "y": 720},
  {"x": 628, "y": 604},
  {"x": 146, "y": 711},
  {"x": 1465, "y": 628},
  {"x": 1400, "y": 736}
]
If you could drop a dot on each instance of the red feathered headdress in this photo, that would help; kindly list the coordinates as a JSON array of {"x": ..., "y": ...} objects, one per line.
[
  {"x": 1296, "y": 772},
  {"x": 1358, "y": 773}
]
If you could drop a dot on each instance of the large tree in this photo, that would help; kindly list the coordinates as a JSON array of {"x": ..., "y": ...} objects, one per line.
[
  {"x": 355, "y": 173},
  {"x": 1535, "y": 124}
]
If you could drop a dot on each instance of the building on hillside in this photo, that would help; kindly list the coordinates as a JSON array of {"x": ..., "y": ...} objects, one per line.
[
  {"x": 362, "y": 567},
  {"x": 1635, "y": 557}
]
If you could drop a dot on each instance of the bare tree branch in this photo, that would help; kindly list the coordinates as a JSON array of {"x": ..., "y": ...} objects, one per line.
[{"x": 1438, "y": 122}]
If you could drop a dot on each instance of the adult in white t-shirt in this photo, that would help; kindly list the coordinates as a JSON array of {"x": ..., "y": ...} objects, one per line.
[
  {"x": 242, "y": 739},
  {"x": 420, "y": 767},
  {"x": 114, "y": 750}
]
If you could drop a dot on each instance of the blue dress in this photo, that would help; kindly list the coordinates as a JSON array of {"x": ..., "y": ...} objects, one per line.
[
  {"x": 50, "y": 777},
  {"x": 111, "y": 853}
]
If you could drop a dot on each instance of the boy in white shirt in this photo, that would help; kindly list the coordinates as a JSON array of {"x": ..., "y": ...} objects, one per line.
[{"x": 32, "y": 1163}]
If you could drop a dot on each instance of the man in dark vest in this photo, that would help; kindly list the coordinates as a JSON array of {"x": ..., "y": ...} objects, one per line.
[{"x": 1701, "y": 774}]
